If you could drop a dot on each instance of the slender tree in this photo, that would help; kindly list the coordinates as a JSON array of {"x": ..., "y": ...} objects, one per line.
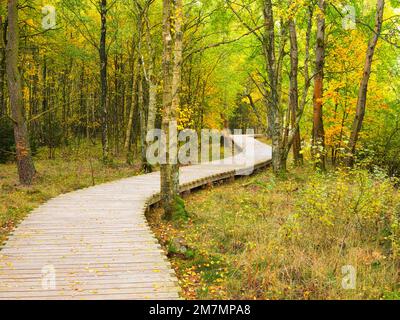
[
  {"x": 282, "y": 135},
  {"x": 141, "y": 13},
  {"x": 318, "y": 133},
  {"x": 363, "y": 90},
  {"x": 26, "y": 168},
  {"x": 272, "y": 98},
  {"x": 294, "y": 90},
  {"x": 2, "y": 66},
  {"x": 151, "y": 77},
  {"x": 103, "y": 80},
  {"x": 177, "y": 80},
  {"x": 134, "y": 85},
  {"x": 172, "y": 59}
]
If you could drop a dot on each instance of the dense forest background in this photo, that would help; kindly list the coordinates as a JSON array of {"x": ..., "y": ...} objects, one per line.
[{"x": 69, "y": 98}]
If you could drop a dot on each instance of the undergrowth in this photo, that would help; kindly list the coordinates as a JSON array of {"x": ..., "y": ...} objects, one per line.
[{"x": 267, "y": 238}]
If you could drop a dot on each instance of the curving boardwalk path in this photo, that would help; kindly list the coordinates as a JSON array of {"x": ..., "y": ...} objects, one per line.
[{"x": 95, "y": 243}]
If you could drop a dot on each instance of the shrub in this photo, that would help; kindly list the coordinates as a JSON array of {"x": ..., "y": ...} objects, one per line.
[
  {"x": 7, "y": 144},
  {"x": 347, "y": 208}
]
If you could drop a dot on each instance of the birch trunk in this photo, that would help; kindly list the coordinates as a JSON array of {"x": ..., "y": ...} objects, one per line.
[
  {"x": 142, "y": 124},
  {"x": 318, "y": 125},
  {"x": 151, "y": 118},
  {"x": 103, "y": 80},
  {"x": 172, "y": 58},
  {"x": 294, "y": 92},
  {"x": 166, "y": 182},
  {"x": 2, "y": 67},
  {"x": 176, "y": 81},
  {"x": 272, "y": 100},
  {"x": 129, "y": 126},
  {"x": 363, "y": 90}
]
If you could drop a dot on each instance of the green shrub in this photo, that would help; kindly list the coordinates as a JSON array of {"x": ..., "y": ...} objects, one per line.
[
  {"x": 347, "y": 209},
  {"x": 7, "y": 144},
  {"x": 53, "y": 134}
]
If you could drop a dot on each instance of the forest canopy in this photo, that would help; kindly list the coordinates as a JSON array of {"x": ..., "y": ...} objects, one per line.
[{"x": 93, "y": 71}]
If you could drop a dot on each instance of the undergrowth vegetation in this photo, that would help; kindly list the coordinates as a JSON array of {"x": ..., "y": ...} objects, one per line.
[{"x": 267, "y": 238}]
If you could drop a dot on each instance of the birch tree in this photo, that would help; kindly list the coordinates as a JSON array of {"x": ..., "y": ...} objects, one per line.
[
  {"x": 172, "y": 63},
  {"x": 318, "y": 136},
  {"x": 363, "y": 90}
]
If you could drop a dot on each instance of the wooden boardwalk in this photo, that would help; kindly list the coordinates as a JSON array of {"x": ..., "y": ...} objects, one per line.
[{"x": 95, "y": 243}]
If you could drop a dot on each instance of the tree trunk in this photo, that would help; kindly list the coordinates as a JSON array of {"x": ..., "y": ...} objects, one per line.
[
  {"x": 272, "y": 99},
  {"x": 177, "y": 79},
  {"x": 141, "y": 101},
  {"x": 129, "y": 126},
  {"x": 294, "y": 92},
  {"x": 254, "y": 108},
  {"x": 103, "y": 81},
  {"x": 152, "y": 107},
  {"x": 318, "y": 124},
  {"x": 307, "y": 80},
  {"x": 26, "y": 168},
  {"x": 3, "y": 110},
  {"x": 171, "y": 84},
  {"x": 142, "y": 123},
  {"x": 363, "y": 90},
  {"x": 152, "y": 112}
]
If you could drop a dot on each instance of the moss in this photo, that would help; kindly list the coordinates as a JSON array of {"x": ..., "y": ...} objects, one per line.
[{"x": 180, "y": 213}]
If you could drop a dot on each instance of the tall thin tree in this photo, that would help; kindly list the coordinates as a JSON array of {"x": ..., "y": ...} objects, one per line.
[
  {"x": 294, "y": 90},
  {"x": 363, "y": 90},
  {"x": 26, "y": 168},
  {"x": 103, "y": 80},
  {"x": 2, "y": 66},
  {"x": 318, "y": 133},
  {"x": 172, "y": 59}
]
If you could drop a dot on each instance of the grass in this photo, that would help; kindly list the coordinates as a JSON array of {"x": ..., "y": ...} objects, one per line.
[
  {"x": 263, "y": 238},
  {"x": 73, "y": 168}
]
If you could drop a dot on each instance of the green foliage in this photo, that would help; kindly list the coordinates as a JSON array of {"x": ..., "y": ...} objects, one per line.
[
  {"x": 268, "y": 238},
  {"x": 53, "y": 133},
  {"x": 392, "y": 295},
  {"x": 7, "y": 144},
  {"x": 345, "y": 209},
  {"x": 180, "y": 213},
  {"x": 382, "y": 148}
]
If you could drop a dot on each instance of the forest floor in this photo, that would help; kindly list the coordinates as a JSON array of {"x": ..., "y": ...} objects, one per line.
[
  {"x": 73, "y": 168},
  {"x": 265, "y": 238}
]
